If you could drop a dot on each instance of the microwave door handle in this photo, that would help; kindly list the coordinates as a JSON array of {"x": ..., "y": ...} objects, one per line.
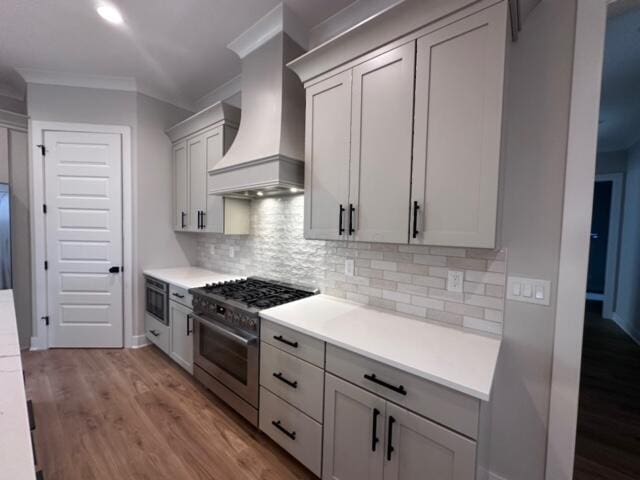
[{"x": 224, "y": 331}]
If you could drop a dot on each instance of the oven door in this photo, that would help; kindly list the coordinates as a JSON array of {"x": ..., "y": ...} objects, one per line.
[
  {"x": 229, "y": 355},
  {"x": 157, "y": 299}
]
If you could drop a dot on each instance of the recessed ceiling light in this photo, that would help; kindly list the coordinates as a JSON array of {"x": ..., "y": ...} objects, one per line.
[
  {"x": 110, "y": 14},
  {"x": 259, "y": 194},
  {"x": 293, "y": 190}
]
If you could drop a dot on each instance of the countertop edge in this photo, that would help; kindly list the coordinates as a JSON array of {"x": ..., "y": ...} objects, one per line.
[{"x": 478, "y": 394}]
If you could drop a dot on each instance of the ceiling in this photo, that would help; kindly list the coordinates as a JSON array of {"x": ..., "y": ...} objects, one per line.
[
  {"x": 620, "y": 102},
  {"x": 174, "y": 50}
]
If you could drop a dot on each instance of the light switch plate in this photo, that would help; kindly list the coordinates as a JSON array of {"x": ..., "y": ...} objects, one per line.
[
  {"x": 529, "y": 290},
  {"x": 455, "y": 280},
  {"x": 349, "y": 265}
]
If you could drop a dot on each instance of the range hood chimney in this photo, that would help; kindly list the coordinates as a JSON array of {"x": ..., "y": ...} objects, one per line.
[{"x": 267, "y": 156}]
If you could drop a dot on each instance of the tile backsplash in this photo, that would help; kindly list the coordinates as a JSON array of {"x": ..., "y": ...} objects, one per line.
[{"x": 407, "y": 279}]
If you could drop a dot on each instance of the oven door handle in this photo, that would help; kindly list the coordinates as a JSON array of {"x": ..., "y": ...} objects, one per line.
[{"x": 224, "y": 330}]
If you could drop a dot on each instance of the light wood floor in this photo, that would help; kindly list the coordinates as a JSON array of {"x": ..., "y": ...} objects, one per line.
[{"x": 134, "y": 414}]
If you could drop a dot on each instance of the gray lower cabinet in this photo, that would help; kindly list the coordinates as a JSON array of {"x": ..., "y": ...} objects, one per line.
[
  {"x": 367, "y": 437},
  {"x": 181, "y": 325}
]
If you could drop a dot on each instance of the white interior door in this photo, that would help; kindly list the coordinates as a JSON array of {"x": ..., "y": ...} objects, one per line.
[{"x": 83, "y": 191}]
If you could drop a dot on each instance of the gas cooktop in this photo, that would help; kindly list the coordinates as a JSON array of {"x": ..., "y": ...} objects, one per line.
[{"x": 254, "y": 292}]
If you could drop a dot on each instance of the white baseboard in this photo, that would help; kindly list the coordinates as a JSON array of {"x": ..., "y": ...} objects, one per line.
[
  {"x": 37, "y": 343},
  {"x": 139, "y": 341},
  {"x": 630, "y": 330}
]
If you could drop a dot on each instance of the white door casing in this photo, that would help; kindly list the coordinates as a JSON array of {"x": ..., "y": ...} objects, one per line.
[{"x": 84, "y": 238}]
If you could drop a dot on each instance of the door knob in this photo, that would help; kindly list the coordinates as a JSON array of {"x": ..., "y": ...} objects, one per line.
[{"x": 114, "y": 270}]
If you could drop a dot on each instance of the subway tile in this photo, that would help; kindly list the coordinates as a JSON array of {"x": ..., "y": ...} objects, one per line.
[
  {"x": 382, "y": 265},
  {"x": 421, "y": 249},
  {"x": 438, "y": 272},
  {"x": 485, "y": 277},
  {"x": 493, "y": 315},
  {"x": 431, "y": 260},
  {"x": 473, "y": 287},
  {"x": 444, "y": 317},
  {"x": 482, "y": 325},
  {"x": 396, "y": 296},
  {"x": 487, "y": 254},
  {"x": 384, "y": 247},
  {"x": 427, "y": 302},
  {"x": 482, "y": 301},
  {"x": 428, "y": 281},
  {"x": 497, "y": 266},
  {"x": 495, "y": 291},
  {"x": 371, "y": 255},
  {"x": 397, "y": 276},
  {"x": 398, "y": 257},
  {"x": 413, "y": 268},
  {"x": 361, "y": 262},
  {"x": 372, "y": 292},
  {"x": 462, "y": 309},
  {"x": 384, "y": 284},
  {"x": 382, "y": 303},
  {"x": 448, "y": 251},
  {"x": 413, "y": 289},
  {"x": 358, "y": 298},
  {"x": 411, "y": 310},
  {"x": 446, "y": 295},
  {"x": 455, "y": 263},
  {"x": 367, "y": 272}
]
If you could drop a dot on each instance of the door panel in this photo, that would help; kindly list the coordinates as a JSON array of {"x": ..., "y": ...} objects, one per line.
[
  {"x": 381, "y": 134},
  {"x": 180, "y": 175},
  {"x": 327, "y": 152},
  {"x": 458, "y": 121},
  {"x": 181, "y": 335},
  {"x": 83, "y": 184},
  {"x": 423, "y": 450},
  {"x": 348, "y": 432},
  {"x": 197, "y": 179}
]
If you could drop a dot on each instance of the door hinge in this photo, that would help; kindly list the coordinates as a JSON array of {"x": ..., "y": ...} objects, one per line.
[
  {"x": 46, "y": 320},
  {"x": 43, "y": 149},
  {"x": 44, "y": 208},
  {"x": 46, "y": 265}
]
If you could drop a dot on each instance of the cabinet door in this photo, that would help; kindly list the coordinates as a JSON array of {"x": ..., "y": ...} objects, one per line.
[
  {"x": 381, "y": 146},
  {"x": 423, "y": 450},
  {"x": 197, "y": 180},
  {"x": 458, "y": 119},
  {"x": 327, "y": 151},
  {"x": 181, "y": 335},
  {"x": 214, "y": 150},
  {"x": 181, "y": 186},
  {"x": 353, "y": 432}
]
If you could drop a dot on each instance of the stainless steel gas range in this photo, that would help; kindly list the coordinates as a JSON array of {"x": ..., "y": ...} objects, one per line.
[{"x": 227, "y": 336}]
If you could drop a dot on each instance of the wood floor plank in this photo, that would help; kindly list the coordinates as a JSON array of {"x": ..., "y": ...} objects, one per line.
[{"x": 134, "y": 414}]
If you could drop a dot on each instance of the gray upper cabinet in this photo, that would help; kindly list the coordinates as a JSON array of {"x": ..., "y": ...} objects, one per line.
[
  {"x": 353, "y": 432},
  {"x": 199, "y": 142},
  {"x": 422, "y": 116},
  {"x": 458, "y": 122},
  {"x": 327, "y": 151},
  {"x": 417, "y": 448},
  {"x": 381, "y": 133}
]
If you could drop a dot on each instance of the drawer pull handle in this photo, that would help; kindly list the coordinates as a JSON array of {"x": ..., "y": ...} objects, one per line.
[
  {"x": 278, "y": 425},
  {"x": 280, "y": 377},
  {"x": 175, "y": 294},
  {"x": 280, "y": 338},
  {"x": 376, "y": 380},
  {"x": 154, "y": 333},
  {"x": 390, "y": 438},
  {"x": 374, "y": 430}
]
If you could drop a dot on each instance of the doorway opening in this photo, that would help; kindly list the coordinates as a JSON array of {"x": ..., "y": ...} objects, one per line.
[{"x": 608, "y": 431}]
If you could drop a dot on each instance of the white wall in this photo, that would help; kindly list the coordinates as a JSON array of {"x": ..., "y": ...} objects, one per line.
[
  {"x": 537, "y": 113},
  {"x": 157, "y": 244},
  {"x": 627, "y": 307},
  {"x": 154, "y": 242}
]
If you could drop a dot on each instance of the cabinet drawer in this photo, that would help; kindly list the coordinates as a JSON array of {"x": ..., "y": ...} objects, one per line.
[
  {"x": 297, "y": 344},
  {"x": 180, "y": 295},
  {"x": 294, "y": 380},
  {"x": 298, "y": 434},
  {"x": 452, "y": 409},
  {"x": 157, "y": 332}
]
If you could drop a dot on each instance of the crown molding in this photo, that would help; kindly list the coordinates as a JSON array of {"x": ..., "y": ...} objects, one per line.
[
  {"x": 13, "y": 120},
  {"x": 278, "y": 20},
  {"x": 49, "y": 77},
  {"x": 219, "y": 94}
]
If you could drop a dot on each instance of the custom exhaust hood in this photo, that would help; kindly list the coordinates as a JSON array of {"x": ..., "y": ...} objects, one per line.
[{"x": 267, "y": 156}]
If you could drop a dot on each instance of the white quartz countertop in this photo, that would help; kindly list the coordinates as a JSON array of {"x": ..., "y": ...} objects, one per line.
[
  {"x": 16, "y": 457},
  {"x": 454, "y": 358},
  {"x": 189, "y": 277}
]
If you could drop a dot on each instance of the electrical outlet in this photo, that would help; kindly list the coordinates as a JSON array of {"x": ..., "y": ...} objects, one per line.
[
  {"x": 454, "y": 281},
  {"x": 349, "y": 266}
]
